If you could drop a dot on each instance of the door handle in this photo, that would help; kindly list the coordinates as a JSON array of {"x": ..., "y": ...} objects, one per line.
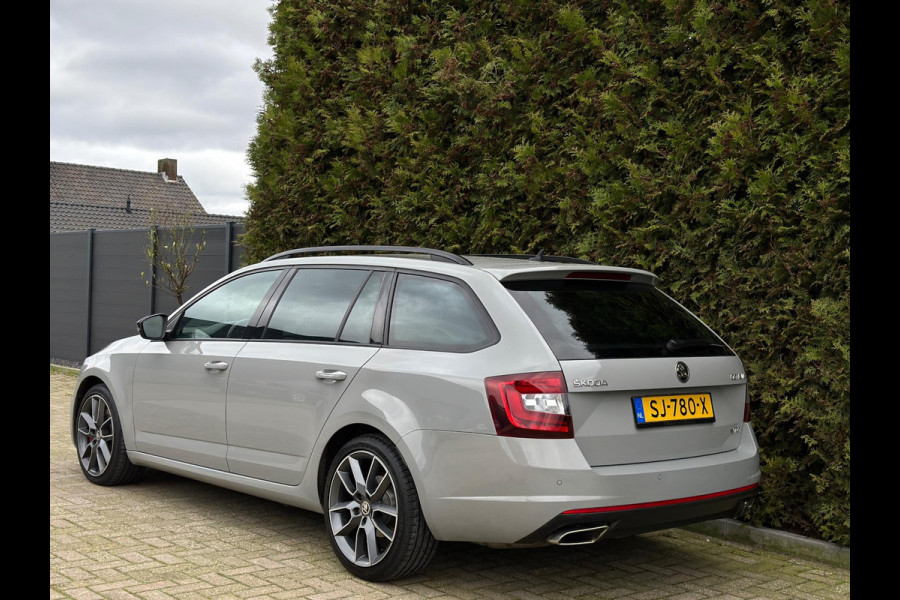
[
  {"x": 216, "y": 366},
  {"x": 331, "y": 376}
]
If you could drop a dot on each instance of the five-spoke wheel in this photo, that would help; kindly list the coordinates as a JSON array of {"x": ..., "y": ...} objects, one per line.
[
  {"x": 372, "y": 512},
  {"x": 98, "y": 438},
  {"x": 363, "y": 508},
  {"x": 95, "y": 434}
]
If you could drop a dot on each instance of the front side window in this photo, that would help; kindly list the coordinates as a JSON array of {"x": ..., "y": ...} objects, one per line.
[
  {"x": 313, "y": 306},
  {"x": 435, "y": 314},
  {"x": 225, "y": 312}
]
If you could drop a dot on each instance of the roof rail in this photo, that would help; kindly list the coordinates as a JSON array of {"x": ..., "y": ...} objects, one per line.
[
  {"x": 539, "y": 257},
  {"x": 434, "y": 254}
]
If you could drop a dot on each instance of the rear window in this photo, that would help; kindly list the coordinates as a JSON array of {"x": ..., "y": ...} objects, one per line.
[{"x": 612, "y": 319}]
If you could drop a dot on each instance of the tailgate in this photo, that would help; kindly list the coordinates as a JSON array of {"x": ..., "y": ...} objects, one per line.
[{"x": 601, "y": 401}]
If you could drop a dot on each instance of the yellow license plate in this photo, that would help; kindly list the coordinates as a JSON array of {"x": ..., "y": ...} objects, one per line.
[{"x": 673, "y": 409}]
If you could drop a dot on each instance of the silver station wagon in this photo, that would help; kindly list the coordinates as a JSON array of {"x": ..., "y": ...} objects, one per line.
[{"x": 412, "y": 395}]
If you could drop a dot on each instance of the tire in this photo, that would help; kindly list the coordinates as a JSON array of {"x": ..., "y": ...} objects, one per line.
[
  {"x": 99, "y": 440},
  {"x": 372, "y": 512}
]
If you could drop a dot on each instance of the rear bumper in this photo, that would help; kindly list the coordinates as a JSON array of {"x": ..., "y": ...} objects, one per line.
[
  {"x": 495, "y": 490},
  {"x": 632, "y": 520}
]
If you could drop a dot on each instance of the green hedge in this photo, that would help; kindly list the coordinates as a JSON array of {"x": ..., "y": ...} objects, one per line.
[{"x": 708, "y": 142}]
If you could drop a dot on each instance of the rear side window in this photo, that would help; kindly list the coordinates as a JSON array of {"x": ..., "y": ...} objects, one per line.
[
  {"x": 358, "y": 328},
  {"x": 612, "y": 319},
  {"x": 436, "y": 314},
  {"x": 313, "y": 306}
]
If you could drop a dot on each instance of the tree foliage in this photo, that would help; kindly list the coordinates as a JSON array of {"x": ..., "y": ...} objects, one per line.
[
  {"x": 173, "y": 251},
  {"x": 705, "y": 141}
]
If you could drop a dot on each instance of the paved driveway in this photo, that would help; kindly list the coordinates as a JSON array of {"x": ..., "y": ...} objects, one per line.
[{"x": 169, "y": 537}]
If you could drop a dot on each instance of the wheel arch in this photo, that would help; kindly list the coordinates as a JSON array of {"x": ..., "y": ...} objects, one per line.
[
  {"x": 83, "y": 386},
  {"x": 334, "y": 444}
]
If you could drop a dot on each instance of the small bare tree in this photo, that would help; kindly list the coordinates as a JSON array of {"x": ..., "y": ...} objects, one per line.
[{"x": 172, "y": 252}]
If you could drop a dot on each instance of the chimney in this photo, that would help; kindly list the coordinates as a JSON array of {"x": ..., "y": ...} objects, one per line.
[{"x": 168, "y": 167}]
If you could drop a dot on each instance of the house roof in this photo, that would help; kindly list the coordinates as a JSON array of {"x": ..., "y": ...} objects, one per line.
[
  {"x": 88, "y": 197},
  {"x": 80, "y": 217}
]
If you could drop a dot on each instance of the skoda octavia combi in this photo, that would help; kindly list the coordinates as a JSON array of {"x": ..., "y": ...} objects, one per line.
[{"x": 412, "y": 395}]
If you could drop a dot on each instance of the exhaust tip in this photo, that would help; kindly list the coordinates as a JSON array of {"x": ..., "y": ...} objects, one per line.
[
  {"x": 578, "y": 535},
  {"x": 744, "y": 507}
]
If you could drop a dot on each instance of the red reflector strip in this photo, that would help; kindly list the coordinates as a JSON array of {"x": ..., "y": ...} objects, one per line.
[
  {"x": 603, "y": 509},
  {"x": 599, "y": 275}
]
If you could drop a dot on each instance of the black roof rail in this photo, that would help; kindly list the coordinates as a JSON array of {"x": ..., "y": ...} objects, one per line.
[
  {"x": 539, "y": 257},
  {"x": 434, "y": 254}
]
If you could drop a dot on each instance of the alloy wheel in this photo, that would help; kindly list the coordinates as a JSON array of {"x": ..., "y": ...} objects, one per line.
[
  {"x": 96, "y": 434},
  {"x": 362, "y": 508}
]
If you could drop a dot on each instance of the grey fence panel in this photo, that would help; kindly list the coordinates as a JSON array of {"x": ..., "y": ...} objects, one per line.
[
  {"x": 166, "y": 303},
  {"x": 118, "y": 294},
  {"x": 68, "y": 295}
]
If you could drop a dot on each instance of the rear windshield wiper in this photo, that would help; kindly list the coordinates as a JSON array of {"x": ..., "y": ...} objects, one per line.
[{"x": 677, "y": 346}]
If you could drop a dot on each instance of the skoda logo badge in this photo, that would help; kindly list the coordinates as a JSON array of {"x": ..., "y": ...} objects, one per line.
[{"x": 682, "y": 372}]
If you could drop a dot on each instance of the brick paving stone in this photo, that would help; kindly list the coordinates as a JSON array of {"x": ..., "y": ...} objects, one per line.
[
  {"x": 167, "y": 537},
  {"x": 837, "y": 592}
]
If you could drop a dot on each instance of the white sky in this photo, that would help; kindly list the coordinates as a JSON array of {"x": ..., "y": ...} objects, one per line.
[{"x": 133, "y": 81}]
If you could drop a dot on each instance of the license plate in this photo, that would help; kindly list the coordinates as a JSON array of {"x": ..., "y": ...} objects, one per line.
[{"x": 675, "y": 409}]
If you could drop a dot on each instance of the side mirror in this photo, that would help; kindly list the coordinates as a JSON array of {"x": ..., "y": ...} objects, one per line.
[{"x": 153, "y": 327}]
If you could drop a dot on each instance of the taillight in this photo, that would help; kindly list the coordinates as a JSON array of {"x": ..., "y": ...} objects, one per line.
[
  {"x": 746, "y": 404},
  {"x": 533, "y": 405}
]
